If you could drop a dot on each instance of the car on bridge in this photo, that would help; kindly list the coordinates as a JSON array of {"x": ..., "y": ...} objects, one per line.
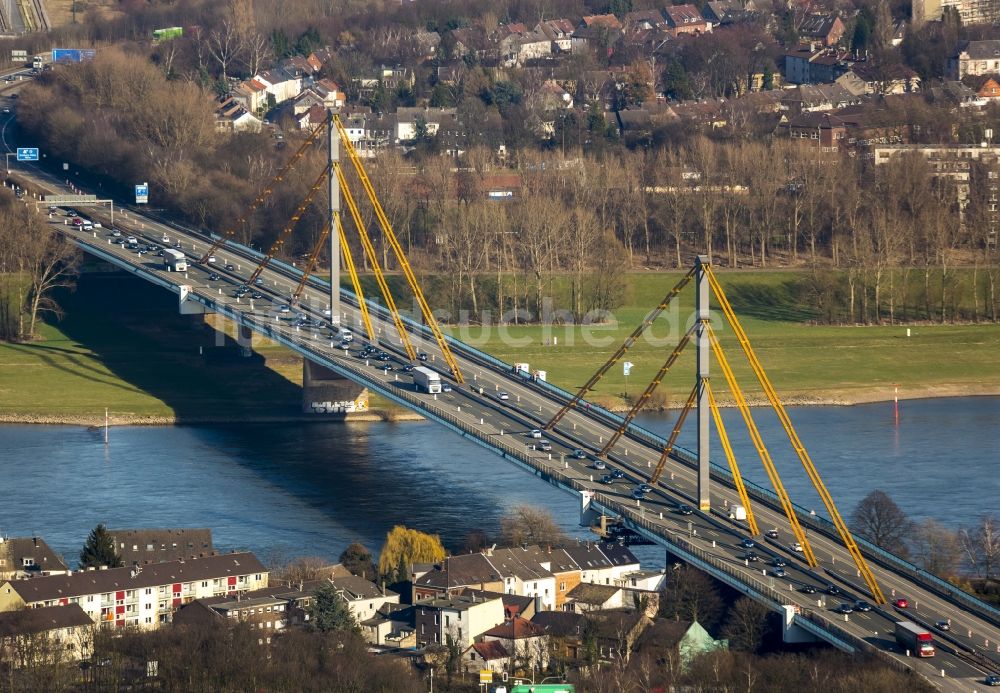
[
  {"x": 445, "y": 387},
  {"x": 862, "y": 606},
  {"x": 844, "y": 608},
  {"x": 750, "y": 557},
  {"x": 992, "y": 680},
  {"x": 421, "y": 356},
  {"x": 230, "y": 266},
  {"x": 901, "y": 603},
  {"x": 579, "y": 454},
  {"x": 617, "y": 473},
  {"x": 795, "y": 546},
  {"x": 807, "y": 589},
  {"x": 747, "y": 543},
  {"x": 645, "y": 488},
  {"x": 779, "y": 562},
  {"x": 832, "y": 589},
  {"x": 503, "y": 396},
  {"x": 779, "y": 572},
  {"x": 638, "y": 495},
  {"x": 600, "y": 464},
  {"x": 607, "y": 479},
  {"x": 771, "y": 534},
  {"x": 943, "y": 625},
  {"x": 685, "y": 509},
  {"x": 534, "y": 433},
  {"x": 545, "y": 446}
]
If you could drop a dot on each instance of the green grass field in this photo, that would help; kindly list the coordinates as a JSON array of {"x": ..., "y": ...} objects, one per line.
[{"x": 123, "y": 346}]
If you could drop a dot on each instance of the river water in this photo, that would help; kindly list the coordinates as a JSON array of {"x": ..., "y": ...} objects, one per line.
[{"x": 288, "y": 490}]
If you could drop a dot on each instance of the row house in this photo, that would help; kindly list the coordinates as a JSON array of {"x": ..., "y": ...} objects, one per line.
[
  {"x": 142, "y": 546},
  {"x": 143, "y": 596},
  {"x": 266, "y": 90},
  {"x": 596, "y": 31},
  {"x": 827, "y": 29},
  {"x": 559, "y": 32},
  {"x": 975, "y": 58},
  {"x": 817, "y": 97},
  {"x": 47, "y": 635},
  {"x": 645, "y": 19},
  {"x": 545, "y": 574},
  {"x": 363, "y": 597},
  {"x": 265, "y": 614},
  {"x": 408, "y": 121},
  {"x": 865, "y": 78},
  {"x": 320, "y": 57},
  {"x": 22, "y": 557},
  {"x": 722, "y": 12},
  {"x": 230, "y": 116},
  {"x": 811, "y": 65},
  {"x": 526, "y": 642},
  {"x": 462, "y": 617},
  {"x": 686, "y": 19}
]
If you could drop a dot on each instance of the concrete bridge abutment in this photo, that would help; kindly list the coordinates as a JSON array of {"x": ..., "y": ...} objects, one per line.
[{"x": 326, "y": 392}]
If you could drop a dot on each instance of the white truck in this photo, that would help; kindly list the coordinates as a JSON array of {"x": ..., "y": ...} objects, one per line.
[
  {"x": 427, "y": 380},
  {"x": 174, "y": 260}
]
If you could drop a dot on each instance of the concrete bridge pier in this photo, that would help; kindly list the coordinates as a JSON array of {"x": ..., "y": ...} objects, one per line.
[
  {"x": 588, "y": 516},
  {"x": 326, "y": 392},
  {"x": 244, "y": 337}
]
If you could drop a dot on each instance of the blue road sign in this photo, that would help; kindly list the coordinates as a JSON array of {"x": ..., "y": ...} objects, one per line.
[
  {"x": 142, "y": 194},
  {"x": 27, "y": 153}
]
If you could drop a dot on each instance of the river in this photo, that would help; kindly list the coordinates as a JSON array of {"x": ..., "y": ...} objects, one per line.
[{"x": 288, "y": 490}]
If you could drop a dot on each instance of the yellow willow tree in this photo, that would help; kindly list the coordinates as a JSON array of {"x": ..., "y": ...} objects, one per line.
[{"x": 402, "y": 548}]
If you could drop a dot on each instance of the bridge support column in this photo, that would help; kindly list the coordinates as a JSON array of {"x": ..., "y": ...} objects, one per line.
[
  {"x": 701, "y": 340},
  {"x": 244, "y": 337},
  {"x": 333, "y": 142},
  {"x": 588, "y": 516},
  {"x": 326, "y": 392}
]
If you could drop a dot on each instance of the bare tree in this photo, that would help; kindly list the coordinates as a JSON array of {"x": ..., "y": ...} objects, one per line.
[
  {"x": 878, "y": 519},
  {"x": 747, "y": 624},
  {"x": 524, "y": 524},
  {"x": 981, "y": 546},
  {"x": 256, "y": 49},
  {"x": 936, "y": 548},
  {"x": 224, "y": 44}
]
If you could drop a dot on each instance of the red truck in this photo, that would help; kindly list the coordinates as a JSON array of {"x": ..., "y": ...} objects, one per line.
[{"x": 916, "y": 640}]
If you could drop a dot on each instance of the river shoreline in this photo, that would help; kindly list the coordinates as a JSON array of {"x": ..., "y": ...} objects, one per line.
[{"x": 837, "y": 398}]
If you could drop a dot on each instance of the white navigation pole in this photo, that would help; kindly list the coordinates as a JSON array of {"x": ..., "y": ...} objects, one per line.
[{"x": 333, "y": 140}]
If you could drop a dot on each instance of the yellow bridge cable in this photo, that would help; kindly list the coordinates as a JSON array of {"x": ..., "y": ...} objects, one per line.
[
  {"x": 765, "y": 456},
  {"x": 669, "y": 447},
  {"x": 373, "y": 259},
  {"x": 648, "y": 392},
  {"x": 404, "y": 264},
  {"x": 290, "y": 226},
  {"x": 353, "y": 271},
  {"x": 731, "y": 459},
  {"x": 622, "y": 349},
  {"x": 263, "y": 194},
  {"x": 793, "y": 437}
]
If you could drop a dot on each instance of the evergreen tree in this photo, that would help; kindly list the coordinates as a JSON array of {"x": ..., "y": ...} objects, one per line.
[
  {"x": 99, "y": 549},
  {"x": 329, "y": 611}
]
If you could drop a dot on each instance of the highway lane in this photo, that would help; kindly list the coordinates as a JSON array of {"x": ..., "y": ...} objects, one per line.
[{"x": 527, "y": 409}]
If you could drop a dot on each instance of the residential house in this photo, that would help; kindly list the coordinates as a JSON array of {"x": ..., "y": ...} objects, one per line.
[
  {"x": 617, "y": 631},
  {"x": 865, "y": 78},
  {"x": 565, "y": 630},
  {"x": 648, "y": 580},
  {"x": 391, "y": 626},
  {"x": 565, "y": 572},
  {"x": 281, "y": 85},
  {"x": 487, "y": 654},
  {"x": 990, "y": 91},
  {"x": 320, "y": 57},
  {"x": 463, "y": 617},
  {"x": 527, "y": 642},
  {"x": 559, "y": 32},
  {"x": 513, "y": 604},
  {"x": 46, "y": 635},
  {"x": 621, "y": 560},
  {"x": 817, "y": 97},
  {"x": 231, "y": 116},
  {"x": 953, "y": 93},
  {"x": 364, "y": 598},
  {"x": 142, "y": 596},
  {"x": 686, "y": 19},
  {"x": 602, "y": 564},
  {"x": 825, "y": 28},
  {"x": 22, "y": 557},
  {"x": 812, "y": 65},
  {"x": 644, "y": 19},
  {"x": 312, "y": 118},
  {"x": 252, "y": 95},
  {"x": 465, "y": 570},
  {"x": 524, "y": 575},
  {"x": 142, "y": 546},
  {"x": 721, "y": 12},
  {"x": 410, "y": 120},
  {"x": 679, "y": 641},
  {"x": 266, "y": 614},
  {"x": 517, "y": 44},
  {"x": 599, "y": 31},
  {"x": 592, "y": 597},
  {"x": 975, "y": 58},
  {"x": 468, "y": 41},
  {"x": 297, "y": 65}
]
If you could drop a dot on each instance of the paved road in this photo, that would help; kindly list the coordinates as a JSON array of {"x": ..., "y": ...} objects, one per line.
[{"x": 507, "y": 423}]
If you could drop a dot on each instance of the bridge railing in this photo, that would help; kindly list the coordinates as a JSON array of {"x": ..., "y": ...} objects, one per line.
[{"x": 807, "y": 516}]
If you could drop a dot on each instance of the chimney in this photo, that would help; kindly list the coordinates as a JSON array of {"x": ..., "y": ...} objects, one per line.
[{"x": 35, "y": 540}]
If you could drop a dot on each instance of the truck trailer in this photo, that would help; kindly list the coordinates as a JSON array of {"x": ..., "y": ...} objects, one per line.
[
  {"x": 915, "y": 640},
  {"x": 427, "y": 380},
  {"x": 174, "y": 260}
]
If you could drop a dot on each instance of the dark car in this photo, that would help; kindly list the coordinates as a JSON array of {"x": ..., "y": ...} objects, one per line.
[
  {"x": 772, "y": 534},
  {"x": 807, "y": 589},
  {"x": 256, "y": 295},
  {"x": 579, "y": 454},
  {"x": 645, "y": 488},
  {"x": 607, "y": 479},
  {"x": 992, "y": 680},
  {"x": 638, "y": 495},
  {"x": 844, "y": 608},
  {"x": 213, "y": 277},
  {"x": 747, "y": 543},
  {"x": 779, "y": 562},
  {"x": 685, "y": 509},
  {"x": 832, "y": 589},
  {"x": 862, "y": 606},
  {"x": 943, "y": 625},
  {"x": 421, "y": 356},
  {"x": 751, "y": 556},
  {"x": 407, "y": 368},
  {"x": 230, "y": 267},
  {"x": 617, "y": 473}
]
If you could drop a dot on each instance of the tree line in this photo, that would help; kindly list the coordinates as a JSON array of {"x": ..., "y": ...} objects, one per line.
[{"x": 34, "y": 261}]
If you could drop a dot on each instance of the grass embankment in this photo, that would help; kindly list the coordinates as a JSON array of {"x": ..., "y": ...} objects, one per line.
[
  {"x": 123, "y": 346},
  {"x": 806, "y": 363}
]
